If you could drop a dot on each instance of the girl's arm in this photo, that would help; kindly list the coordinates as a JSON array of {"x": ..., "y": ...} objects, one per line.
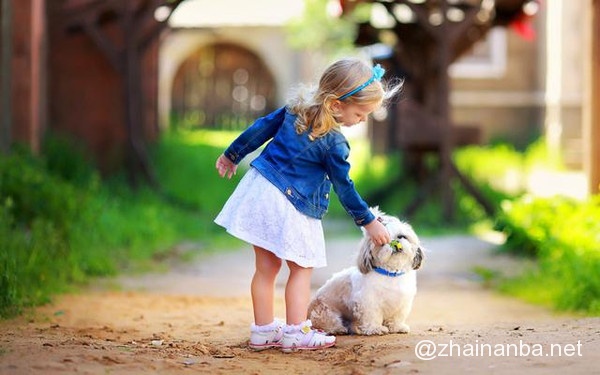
[
  {"x": 252, "y": 138},
  {"x": 338, "y": 169}
]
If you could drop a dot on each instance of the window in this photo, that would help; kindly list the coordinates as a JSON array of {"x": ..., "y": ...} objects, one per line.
[{"x": 487, "y": 58}]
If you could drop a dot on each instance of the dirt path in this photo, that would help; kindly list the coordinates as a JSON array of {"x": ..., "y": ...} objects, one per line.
[{"x": 195, "y": 319}]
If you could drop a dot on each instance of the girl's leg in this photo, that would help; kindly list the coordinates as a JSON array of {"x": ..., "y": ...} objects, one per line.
[
  {"x": 263, "y": 285},
  {"x": 298, "y": 333},
  {"x": 297, "y": 293}
]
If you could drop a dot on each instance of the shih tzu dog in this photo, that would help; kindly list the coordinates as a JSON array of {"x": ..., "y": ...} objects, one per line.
[{"x": 376, "y": 296}]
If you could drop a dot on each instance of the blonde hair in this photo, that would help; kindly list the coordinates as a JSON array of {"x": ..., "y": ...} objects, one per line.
[{"x": 314, "y": 106}]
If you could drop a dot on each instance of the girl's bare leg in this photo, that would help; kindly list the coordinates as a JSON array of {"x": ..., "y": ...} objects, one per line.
[
  {"x": 297, "y": 293},
  {"x": 263, "y": 285}
]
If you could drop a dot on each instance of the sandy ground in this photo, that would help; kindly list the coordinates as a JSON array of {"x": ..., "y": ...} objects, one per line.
[{"x": 195, "y": 319}]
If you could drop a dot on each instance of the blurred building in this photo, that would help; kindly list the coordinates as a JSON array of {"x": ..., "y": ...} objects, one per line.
[
  {"x": 517, "y": 85},
  {"x": 513, "y": 86},
  {"x": 56, "y": 77},
  {"x": 227, "y": 68},
  {"x": 226, "y": 62}
]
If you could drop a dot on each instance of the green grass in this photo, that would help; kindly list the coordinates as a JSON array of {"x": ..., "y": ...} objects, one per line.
[{"x": 185, "y": 163}]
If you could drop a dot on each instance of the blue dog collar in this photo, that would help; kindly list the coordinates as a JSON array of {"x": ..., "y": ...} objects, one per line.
[{"x": 387, "y": 273}]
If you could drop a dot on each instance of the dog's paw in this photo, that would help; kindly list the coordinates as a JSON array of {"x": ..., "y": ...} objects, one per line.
[
  {"x": 372, "y": 330},
  {"x": 399, "y": 328},
  {"x": 338, "y": 331}
]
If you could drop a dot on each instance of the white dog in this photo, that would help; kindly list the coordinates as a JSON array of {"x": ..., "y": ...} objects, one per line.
[{"x": 376, "y": 297}]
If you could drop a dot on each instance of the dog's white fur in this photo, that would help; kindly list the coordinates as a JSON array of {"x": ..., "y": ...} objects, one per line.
[{"x": 359, "y": 300}]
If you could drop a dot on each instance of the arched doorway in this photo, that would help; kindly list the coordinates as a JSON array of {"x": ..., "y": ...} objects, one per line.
[{"x": 221, "y": 86}]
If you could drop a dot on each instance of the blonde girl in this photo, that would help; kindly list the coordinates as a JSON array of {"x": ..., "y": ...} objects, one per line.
[{"x": 279, "y": 203}]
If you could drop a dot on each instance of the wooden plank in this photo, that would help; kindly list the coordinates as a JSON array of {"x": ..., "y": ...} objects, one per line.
[
  {"x": 447, "y": 146},
  {"x": 5, "y": 76},
  {"x": 27, "y": 65},
  {"x": 594, "y": 139}
]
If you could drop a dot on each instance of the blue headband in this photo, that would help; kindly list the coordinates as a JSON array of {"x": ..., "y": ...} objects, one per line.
[{"x": 378, "y": 72}]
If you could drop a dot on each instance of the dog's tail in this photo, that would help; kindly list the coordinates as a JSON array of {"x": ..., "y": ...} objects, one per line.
[{"x": 324, "y": 318}]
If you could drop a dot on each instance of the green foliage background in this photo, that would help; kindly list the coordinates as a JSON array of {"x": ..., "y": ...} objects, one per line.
[
  {"x": 560, "y": 234},
  {"x": 61, "y": 225}
]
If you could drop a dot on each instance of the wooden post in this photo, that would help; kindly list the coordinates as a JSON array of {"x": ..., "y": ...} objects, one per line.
[
  {"x": 444, "y": 41},
  {"x": 38, "y": 74},
  {"x": 5, "y": 76},
  {"x": 27, "y": 72},
  {"x": 593, "y": 157},
  {"x": 130, "y": 74},
  {"x": 139, "y": 159}
]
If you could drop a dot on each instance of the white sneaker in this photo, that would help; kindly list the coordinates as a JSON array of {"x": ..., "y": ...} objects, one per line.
[
  {"x": 267, "y": 336},
  {"x": 303, "y": 337}
]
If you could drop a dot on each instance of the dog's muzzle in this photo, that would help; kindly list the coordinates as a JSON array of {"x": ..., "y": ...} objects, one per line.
[{"x": 396, "y": 245}]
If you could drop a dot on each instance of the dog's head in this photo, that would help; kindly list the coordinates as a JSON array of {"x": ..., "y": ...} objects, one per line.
[{"x": 404, "y": 253}]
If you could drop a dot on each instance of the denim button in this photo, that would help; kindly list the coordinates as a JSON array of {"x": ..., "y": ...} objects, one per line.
[
  {"x": 288, "y": 191},
  {"x": 327, "y": 196}
]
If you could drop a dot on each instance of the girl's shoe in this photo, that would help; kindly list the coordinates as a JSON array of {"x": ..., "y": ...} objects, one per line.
[
  {"x": 303, "y": 337},
  {"x": 267, "y": 336}
]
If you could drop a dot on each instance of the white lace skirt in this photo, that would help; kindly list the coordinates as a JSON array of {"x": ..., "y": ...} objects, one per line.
[{"x": 258, "y": 213}]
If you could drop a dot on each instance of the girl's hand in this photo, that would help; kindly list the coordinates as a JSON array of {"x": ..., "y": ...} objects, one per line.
[
  {"x": 378, "y": 233},
  {"x": 225, "y": 167}
]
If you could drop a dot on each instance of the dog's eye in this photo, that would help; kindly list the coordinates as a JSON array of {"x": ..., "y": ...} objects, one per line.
[{"x": 401, "y": 237}]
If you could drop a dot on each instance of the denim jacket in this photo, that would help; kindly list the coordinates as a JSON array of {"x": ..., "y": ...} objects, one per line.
[{"x": 302, "y": 169}]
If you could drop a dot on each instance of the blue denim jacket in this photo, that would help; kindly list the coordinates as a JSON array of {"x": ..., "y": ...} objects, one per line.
[{"x": 302, "y": 169}]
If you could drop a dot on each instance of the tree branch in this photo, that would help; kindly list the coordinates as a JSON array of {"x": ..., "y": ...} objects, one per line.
[{"x": 111, "y": 54}]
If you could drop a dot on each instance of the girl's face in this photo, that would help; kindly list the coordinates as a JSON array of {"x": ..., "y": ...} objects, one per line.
[{"x": 349, "y": 114}]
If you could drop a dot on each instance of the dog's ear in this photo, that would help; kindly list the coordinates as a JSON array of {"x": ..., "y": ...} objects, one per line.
[
  {"x": 418, "y": 259},
  {"x": 376, "y": 211},
  {"x": 365, "y": 258}
]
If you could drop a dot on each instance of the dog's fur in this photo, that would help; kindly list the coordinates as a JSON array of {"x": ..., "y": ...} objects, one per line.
[{"x": 359, "y": 300}]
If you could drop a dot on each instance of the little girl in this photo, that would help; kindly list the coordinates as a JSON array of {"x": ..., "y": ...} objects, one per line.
[{"x": 278, "y": 205}]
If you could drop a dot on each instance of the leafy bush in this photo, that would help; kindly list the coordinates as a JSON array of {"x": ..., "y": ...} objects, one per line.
[
  {"x": 563, "y": 234},
  {"x": 60, "y": 225},
  {"x": 9, "y": 248},
  {"x": 67, "y": 159},
  {"x": 498, "y": 170},
  {"x": 37, "y": 212},
  {"x": 35, "y": 193}
]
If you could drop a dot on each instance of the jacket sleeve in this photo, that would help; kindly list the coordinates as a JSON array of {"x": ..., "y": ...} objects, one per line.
[
  {"x": 338, "y": 169},
  {"x": 255, "y": 136}
]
